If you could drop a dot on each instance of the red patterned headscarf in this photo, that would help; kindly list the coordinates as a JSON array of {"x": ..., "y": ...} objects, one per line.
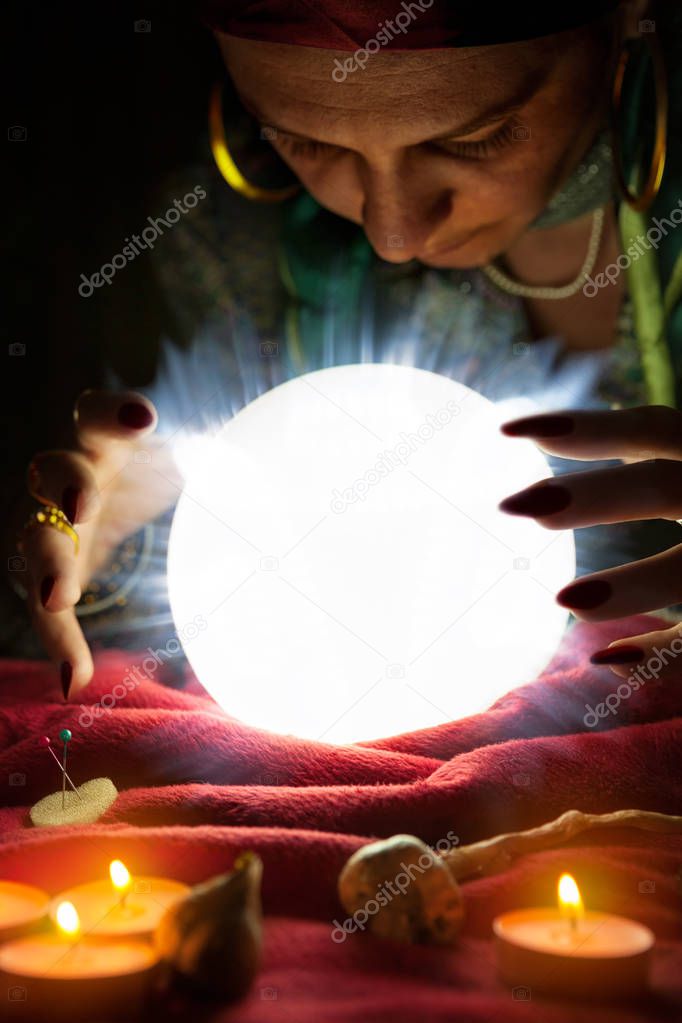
[{"x": 396, "y": 24}]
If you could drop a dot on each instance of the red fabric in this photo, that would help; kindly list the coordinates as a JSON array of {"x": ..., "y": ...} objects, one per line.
[
  {"x": 407, "y": 24},
  {"x": 197, "y": 787}
]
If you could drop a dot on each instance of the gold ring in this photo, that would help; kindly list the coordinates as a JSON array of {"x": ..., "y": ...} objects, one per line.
[{"x": 54, "y": 518}]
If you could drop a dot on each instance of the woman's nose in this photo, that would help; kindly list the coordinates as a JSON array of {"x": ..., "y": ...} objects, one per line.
[{"x": 400, "y": 213}]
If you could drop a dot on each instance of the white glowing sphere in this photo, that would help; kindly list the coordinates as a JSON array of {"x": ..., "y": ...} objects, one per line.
[{"x": 340, "y": 547}]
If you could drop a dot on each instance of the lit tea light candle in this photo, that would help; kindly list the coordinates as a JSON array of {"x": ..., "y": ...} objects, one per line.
[
  {"x": 22, "y": 907},
  {"x": 573, "y": 951},
  {"x": 65, "y": 975},
  {"x": 122, "y": 904}
]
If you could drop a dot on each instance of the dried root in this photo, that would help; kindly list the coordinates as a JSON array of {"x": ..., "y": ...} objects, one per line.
[{"x": 428, "y": 908}]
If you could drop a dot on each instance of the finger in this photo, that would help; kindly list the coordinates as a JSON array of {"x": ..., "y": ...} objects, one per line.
[
  {"x": 646, "y": 585},
  {"x": 652, "y": 655},
  {"x": 624, "y": 493},
  {"x": 64, "y": 478},
  {"x": 64, "y": 644},
  {"x": 104, "y": 416},
  {"x": 51, "y": 558},
  {"x": 650, "y": 431}
]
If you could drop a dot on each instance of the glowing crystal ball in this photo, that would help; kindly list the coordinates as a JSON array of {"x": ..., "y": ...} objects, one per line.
[{"x": 340, "y": 546}]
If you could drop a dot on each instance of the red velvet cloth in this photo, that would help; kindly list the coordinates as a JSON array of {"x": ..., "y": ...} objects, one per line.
[
  {"x": 197, "y": 787},
  {"x": 406, "y": 24}
]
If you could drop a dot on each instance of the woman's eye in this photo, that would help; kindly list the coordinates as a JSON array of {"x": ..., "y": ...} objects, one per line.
[{"x": 483, "y": 147}]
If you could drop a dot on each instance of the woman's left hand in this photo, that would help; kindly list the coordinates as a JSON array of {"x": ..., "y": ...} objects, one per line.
[{"x": 649, "y": 439}]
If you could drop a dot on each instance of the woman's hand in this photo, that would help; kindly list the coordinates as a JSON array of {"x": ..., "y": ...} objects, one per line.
[
  {"x": 102, "y": 488},
  {"x": 650, "y": 487}
]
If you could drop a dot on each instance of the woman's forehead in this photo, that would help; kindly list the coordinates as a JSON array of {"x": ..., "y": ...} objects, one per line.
[{"x": 299, "y": 84}]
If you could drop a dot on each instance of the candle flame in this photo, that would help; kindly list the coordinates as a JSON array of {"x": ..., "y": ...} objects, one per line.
[
  {"x": 68, "y": 920},
  {"x": 120, "y": 877},
  {"x": 570, "y": 901}
]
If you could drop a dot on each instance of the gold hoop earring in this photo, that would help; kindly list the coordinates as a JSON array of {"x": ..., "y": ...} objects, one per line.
[
  {"x": 643, "y": 200},
  {"x": 225, "y": 161}
]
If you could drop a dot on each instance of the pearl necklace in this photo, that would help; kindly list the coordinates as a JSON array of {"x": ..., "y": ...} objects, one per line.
[{"x": 512, "y": 287}]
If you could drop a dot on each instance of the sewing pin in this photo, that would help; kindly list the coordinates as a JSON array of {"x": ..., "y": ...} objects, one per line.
[
  {"x": 45, "y": 741},
  {"x": 65, "y": 736}
]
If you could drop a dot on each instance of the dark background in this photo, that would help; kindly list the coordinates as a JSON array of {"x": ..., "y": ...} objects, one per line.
[{"x": 107, "y": 111}]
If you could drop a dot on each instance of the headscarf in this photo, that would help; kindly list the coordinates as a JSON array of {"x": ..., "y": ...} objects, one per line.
[{"x": 395, "y": 24}]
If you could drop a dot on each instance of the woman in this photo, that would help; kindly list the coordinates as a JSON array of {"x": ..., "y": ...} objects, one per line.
[{"x": 456, "y": 210}]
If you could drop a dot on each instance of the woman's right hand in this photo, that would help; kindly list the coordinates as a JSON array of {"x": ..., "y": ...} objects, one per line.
[{"x": 109, "y": 494}]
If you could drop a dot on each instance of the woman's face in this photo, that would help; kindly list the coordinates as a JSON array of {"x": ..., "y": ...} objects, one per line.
[{"x": 444, "y": 156}]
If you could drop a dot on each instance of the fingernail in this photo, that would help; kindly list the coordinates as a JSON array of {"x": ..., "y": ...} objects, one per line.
[
  {"x": 46, "y": 588},
  {"x": 66, "y": 674},
  {"x": 584, "y": 596},
  {"x": 625, "y": 654},
  {"x": 135, "y": 415},
  {"x": 539, "y": 426},
  {"x": 70, "y": 499},
  {"x": 540, "y": 501}
]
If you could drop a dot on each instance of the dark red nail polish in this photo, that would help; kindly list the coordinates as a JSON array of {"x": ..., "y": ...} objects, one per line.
[
  {"x": 546, "y": 500},
  {"x": 539, "y": 426},
  {"x": 46, "y": 588},
  {"x": 135, "y": 415},
  {"x": 66, "y": 674},
  {"x": 584, "y": 596},
  {"x": 625, "y": 654},
  {"x": 70, "y": 499}
]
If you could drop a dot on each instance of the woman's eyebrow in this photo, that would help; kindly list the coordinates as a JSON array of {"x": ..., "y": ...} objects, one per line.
[{"x": 495, "y": 114}]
